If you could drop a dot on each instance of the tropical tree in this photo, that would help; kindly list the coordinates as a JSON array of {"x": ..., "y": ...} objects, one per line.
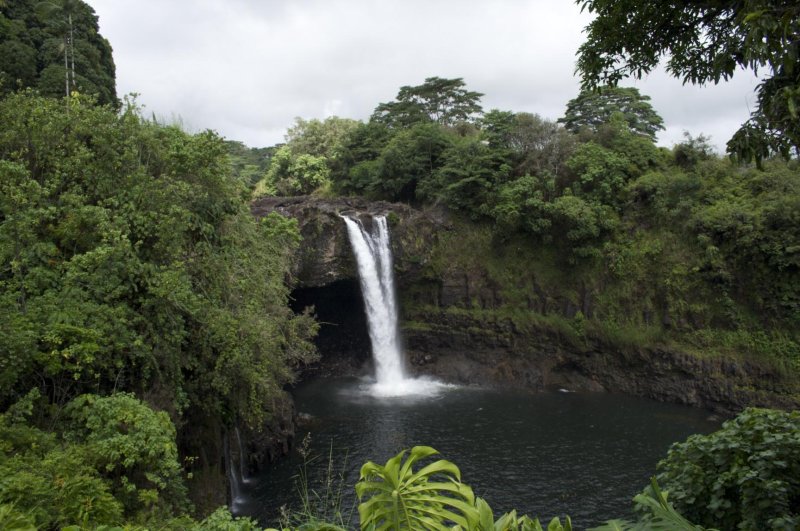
[
  {"x": 55, "y": 46},
  {"x": 469, "y": 172},
  {"x": 408, "y": 159},
  {"x": 706, "y": 41},
  {"x": 321, "y": 138},
  {"x": 594, "y": 108},
  {"x": 443, "y": 101},
  {"x": 535, "y": 145},
  {"x": 62, "y": 12},
  {"x": 291, "y": 174}
]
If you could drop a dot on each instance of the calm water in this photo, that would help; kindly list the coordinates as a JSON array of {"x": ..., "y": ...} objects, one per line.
[{"x": 550, "y": 454}]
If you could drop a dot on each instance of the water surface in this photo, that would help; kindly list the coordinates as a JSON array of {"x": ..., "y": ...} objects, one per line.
[{"x": 582, "y": 454}]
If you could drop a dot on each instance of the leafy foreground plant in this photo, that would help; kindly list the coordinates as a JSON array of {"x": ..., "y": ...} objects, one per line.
[
  {"x": 404, "y": 499},
  {"x": 434, "y": 498},
  {"x": 663, "y": 515},
  {"x": 431, "y": 498},
  {"x": 744, "y": 476}
]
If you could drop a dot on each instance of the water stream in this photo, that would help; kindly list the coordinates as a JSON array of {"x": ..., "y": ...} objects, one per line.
[{"x": 374, "y": 259}]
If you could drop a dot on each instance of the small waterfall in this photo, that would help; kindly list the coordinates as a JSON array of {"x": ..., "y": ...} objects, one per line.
[
  {"x": 234, "y": 476},
  {"x": 242, "y": 458},
  {"x": 374, "y": 259}
]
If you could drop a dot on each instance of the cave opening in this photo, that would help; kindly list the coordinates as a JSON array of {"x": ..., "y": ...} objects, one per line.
[{"x": 343, "y": 338}]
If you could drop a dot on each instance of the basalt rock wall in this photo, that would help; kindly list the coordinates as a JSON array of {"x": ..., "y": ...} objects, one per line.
[
  {"x": 325, "y": 255},
  {"x": 452, "y": 327},
  {"x": 462, "y": 348}
]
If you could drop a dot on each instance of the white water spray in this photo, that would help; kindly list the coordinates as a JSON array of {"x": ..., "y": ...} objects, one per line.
[{"x": 374, "y": 260}]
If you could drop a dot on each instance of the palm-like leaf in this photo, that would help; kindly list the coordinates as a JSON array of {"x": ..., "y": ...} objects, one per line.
[
  {"x": 403, "y": 499},
  {"x": 662, "y": 517}
]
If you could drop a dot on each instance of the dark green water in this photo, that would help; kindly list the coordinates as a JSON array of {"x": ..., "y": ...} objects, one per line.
[{"x": 549, "y": 454}]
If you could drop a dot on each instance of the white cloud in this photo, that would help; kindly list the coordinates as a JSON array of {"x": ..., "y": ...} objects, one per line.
[{"x": 247, "y": 68}]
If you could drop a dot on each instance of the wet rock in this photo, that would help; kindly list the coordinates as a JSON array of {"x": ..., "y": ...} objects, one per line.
[
  {"x": 467, "y": 350},
  {"x": 463, "y": 348},
  {"x": 325, "y": 255}
]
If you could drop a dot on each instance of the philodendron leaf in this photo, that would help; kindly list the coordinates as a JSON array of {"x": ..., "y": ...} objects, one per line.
[
  {"x": 485, "y": 515},
  {"x": 614, "y": 525},
  {"x": 432, "y": 498}
]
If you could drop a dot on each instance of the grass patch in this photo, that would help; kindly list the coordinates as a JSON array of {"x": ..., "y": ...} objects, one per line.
[
  {"x": 417, "y": 326},
  {"x": 774, "y": 349}
]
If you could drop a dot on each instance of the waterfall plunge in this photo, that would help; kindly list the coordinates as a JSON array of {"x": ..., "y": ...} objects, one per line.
[{"x": 374, "y": 260}]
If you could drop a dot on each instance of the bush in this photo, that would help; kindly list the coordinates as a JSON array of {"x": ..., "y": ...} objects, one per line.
[
  {"x": 744, "y": 476},
  {"x": 133, "y": 447}
]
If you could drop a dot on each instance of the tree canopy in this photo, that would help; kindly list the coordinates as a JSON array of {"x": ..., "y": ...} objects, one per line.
[
  {"x": 706, "y": 41},
  {"x": 45, "y": 44},
  {"x": 129, "y": 261},
  {"x": 594, "y": 108},
  {"x": 443, "y": 101}
]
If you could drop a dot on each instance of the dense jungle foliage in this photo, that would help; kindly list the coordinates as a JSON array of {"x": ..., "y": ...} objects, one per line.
[
  {"x": 677, "y": 243},
  {"x": 130, "y": 263},
  {"x": 54, "y": 47},
  {"x": 705, "y": 42}
]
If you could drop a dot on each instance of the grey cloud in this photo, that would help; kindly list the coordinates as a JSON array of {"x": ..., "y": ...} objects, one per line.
[{"x": 247, "y": 68}]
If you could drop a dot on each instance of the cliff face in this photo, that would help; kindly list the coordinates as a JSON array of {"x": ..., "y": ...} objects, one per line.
[
  {"x": 473, "y": 313},
  {"x": 325, "y": 256},
  {"x": 462, "y": 347}
]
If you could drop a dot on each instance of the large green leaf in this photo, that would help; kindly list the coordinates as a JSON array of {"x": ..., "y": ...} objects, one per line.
[{"x": 431, "y": 498}]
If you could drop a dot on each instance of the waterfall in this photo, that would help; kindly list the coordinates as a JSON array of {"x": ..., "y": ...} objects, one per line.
[
  {"x": 242, "y": 458},
  {"x": 374, "y": 260},
  {"x": 234, "y": 476}
]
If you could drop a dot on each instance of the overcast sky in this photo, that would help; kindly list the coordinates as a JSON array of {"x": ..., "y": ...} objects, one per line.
[{"x": 247, "y": 68}]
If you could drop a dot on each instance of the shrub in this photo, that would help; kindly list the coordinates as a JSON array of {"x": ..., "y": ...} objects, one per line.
[{"x": 744, "y": 476}]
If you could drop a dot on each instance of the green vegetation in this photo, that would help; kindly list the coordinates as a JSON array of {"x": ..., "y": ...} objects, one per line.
[
  {"x": 648, "y": 244},
  {"x": 312, "y": 151},
  {"x": 109, "y": 458},
  {"x": 54, "y": 46},
  {"x": 144, "y": 310},
  {"x": 706, "y": 42},
  {"x": 403, "y": 499},
  {"x": 130, "y": 263},
  {"x": 744, "y": 476},
  {"x": 591, "y": 110}
]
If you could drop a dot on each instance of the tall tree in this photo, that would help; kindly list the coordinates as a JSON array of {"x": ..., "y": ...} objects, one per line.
[
  {"x": 594, "y": 108},
  {"x": 444, "y": 101},
  {"x": 706, "y": 41},
  {"x": 54, "y": 46},
  {"x": 535, "y": 145},
  {"x": 61, "y": 12},
  {"x": 321, "y": 138}
]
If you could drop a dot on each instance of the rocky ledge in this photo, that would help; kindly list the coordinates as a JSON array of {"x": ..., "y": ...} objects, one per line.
[
  {"x": 325, "y": 255},
  {"x": 467, "y": 350}
]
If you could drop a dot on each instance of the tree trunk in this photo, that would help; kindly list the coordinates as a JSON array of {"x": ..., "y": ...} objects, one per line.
[
  {"x": 72, "y": 52},
  {"x": 66, "y": 69}
]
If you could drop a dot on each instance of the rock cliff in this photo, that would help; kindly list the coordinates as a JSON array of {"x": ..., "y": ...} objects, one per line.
[{"x": 456, "y": 325}]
